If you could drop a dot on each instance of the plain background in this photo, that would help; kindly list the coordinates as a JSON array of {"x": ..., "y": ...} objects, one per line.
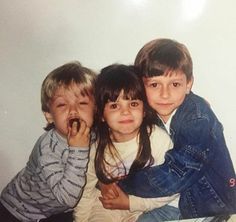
[{"x": 37, "y": 36}]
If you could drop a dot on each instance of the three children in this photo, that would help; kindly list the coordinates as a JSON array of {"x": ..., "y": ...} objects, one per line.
[{"x": 129, "y": 150}]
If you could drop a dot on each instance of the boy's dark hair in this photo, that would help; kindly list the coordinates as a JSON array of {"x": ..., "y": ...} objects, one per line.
[
  {"x": 109, "y": 84},
  {"x": 64, "y": 76},
  {"x": 160, "y": 56}
]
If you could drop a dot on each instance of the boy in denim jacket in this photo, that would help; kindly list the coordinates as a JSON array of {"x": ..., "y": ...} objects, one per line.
[{"x": 199, "y": 166}]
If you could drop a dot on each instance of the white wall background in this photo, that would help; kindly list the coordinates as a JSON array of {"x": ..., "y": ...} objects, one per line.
[{"x": 37, "y": 36}]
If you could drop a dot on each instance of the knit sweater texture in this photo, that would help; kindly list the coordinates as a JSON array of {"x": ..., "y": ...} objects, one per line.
[{"x": 51, "y": 182}]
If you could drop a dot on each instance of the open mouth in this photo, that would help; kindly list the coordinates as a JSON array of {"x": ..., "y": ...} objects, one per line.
[{"x": 71, "y": 121}]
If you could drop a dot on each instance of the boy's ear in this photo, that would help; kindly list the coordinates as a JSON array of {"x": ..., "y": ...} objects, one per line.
[
  {"x": 48, "y": 117},
  {"x": 189, "y": 85}
]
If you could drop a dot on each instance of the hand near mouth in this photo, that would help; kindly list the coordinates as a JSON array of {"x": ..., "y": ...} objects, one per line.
[
  {"x": 79, "y": 133},
  {"x": 74, "y": 121}
]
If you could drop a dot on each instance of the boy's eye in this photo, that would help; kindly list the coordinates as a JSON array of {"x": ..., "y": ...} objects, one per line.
[
  {"x": 83, "y": 103},
  {"x": 154, "y": 84},
  {"x": 176, "y": 84},
  {"x": 60, "y": 105}
]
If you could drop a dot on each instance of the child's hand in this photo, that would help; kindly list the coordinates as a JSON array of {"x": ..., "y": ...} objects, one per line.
[
  {"x": 78, "y": 137},
  {"x": 108, "y": 191},
  {"x": 121, "y": 202}
]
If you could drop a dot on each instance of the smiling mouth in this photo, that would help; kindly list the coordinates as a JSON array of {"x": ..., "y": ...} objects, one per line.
[
  {"x": 164, "y": 104},
  {"x": 126, "y": 121}
]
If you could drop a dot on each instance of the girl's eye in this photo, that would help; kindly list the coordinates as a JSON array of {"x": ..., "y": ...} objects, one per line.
[
  {"x": 113, "y": 106},
  {"x": 134, "y": 104}
]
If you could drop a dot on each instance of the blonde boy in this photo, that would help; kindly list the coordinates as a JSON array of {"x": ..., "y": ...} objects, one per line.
[{"x": 53, "y": 179}]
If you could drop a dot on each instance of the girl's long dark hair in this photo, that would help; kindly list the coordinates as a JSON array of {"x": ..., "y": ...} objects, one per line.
[{"x": 109, "y": 84}]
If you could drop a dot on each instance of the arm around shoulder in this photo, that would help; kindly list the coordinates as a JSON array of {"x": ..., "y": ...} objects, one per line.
[{"x": 181, "y": 168}]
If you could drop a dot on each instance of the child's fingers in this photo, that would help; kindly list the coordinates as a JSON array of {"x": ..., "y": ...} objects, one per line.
[
  {"x": 106, "y": 203},
  {"x": 84, "y": 129},
  {"x": 74, "y": 128},
  {"x": 79, "y": 136},
  {"x": 112, "y": 191},
  {"x": 109, "y": 195},
  {"x": 109, "y": 191},
  {"x": 112, "y": 203},
  {"x": 116, "y": 189}
]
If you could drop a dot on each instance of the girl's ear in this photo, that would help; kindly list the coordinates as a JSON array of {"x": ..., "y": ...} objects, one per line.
[
  {"x": 48, "y": 117},
  {"x": 189, "y": 85}
]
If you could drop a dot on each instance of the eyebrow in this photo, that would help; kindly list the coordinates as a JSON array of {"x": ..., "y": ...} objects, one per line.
[
  {"x": 178, "y": 79},
  {"x": 150, "y": 79}
]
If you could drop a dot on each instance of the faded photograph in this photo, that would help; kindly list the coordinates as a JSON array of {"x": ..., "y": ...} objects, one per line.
[{"x": 117, "y": 111}]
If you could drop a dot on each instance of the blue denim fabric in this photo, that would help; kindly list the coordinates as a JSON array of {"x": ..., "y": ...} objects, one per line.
[
  {"x": 165, "y": 213},
  {"x": 198, "y": 167}
]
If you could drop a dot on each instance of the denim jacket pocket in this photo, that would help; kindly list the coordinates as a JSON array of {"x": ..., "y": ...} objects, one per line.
[
  {"x": 195, "y": 157},
  {"x": 208, "y": 193},
  {"x": 188, "y": 159},
  {"x": 200, "y": 200}
]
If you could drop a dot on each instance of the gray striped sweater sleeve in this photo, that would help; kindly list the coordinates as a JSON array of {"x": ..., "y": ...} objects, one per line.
[
  {"x": 63, "y": 168},
  {"x": 51, "y": 182}
]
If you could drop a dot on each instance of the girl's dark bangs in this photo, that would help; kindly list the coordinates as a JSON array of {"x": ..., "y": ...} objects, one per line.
[
  {"x": 111, "y": 95},
  {"x": 131, "y": 89},
  {"x": 132, "y": 93}
]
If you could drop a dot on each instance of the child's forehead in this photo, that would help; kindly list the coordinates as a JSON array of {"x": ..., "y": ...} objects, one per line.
[
  {"x": 170, "y": 74},
  {"x": 174, "y": 73},
  {"x": 76, "y": 89}
]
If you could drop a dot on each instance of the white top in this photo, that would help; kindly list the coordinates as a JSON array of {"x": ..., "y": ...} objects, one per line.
[
  {"x": 90, "y": 208},
  {"x": 167, "y": 124},
  {"x": 174, "y": 203}
]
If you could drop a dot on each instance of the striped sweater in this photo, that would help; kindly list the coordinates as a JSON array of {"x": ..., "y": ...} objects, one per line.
[{"x": 51, "y": 182}]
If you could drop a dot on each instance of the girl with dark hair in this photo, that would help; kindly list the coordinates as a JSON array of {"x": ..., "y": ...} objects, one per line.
[
  {"x": 126, "y": 143},
  {"x": 121, "y": 102}
]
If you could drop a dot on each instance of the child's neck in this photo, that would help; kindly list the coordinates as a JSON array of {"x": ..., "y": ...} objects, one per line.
[
  {"x": 122, "y": 138},
  {"x": 166, "y": 122}
]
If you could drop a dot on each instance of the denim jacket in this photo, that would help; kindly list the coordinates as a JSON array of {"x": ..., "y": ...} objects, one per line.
[{"x": 198, "y": 167}]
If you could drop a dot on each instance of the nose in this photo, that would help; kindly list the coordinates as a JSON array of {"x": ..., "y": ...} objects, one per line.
[
  {"x": 165, "y": 93},
  {"x": 125, "y": 110},
  {"x": 73, "y": 112}
]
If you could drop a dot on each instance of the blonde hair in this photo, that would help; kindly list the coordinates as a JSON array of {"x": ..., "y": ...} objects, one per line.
[{"x": 65, "y": 75}]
